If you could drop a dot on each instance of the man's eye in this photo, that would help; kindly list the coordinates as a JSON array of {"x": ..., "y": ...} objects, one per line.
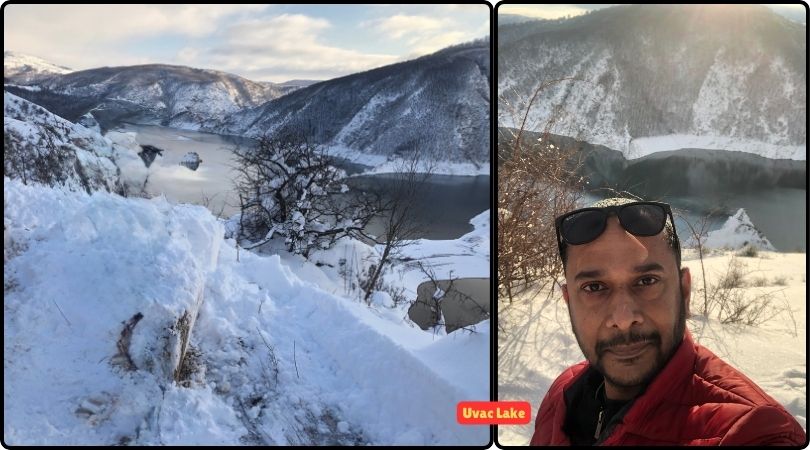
[
  {"x": 593, "y": 287},
  {"x": 647, "y": 281}
]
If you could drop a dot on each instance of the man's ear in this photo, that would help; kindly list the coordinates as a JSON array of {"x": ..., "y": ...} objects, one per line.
[
  {"x": 564, "y": 288},
  {"x": 686, "y": 288}
]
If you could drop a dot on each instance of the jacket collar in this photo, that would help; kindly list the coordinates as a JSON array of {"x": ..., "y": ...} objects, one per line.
[
  {"x": 669, "y": 384},
  {"x": 638, "y": 415}
]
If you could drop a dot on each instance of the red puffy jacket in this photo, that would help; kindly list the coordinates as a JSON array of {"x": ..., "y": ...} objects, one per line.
[{"x": 697, "y": 399}]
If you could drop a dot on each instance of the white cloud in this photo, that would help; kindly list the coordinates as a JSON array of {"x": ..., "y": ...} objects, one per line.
[
  {"x": 35, "y": 29},
  {"x": 283, "y": 47},
  {"x": 550, "y": 11},
  {"x": 113, "y": 22},
  {"x": 424, "y": 34},
  {"x": 401, "y": 25},
  {"x": 241, "y": 39}
]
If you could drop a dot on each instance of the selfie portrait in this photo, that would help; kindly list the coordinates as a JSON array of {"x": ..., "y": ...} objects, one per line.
[
  {"x": 651, "y": 223},
  {"x": 262, "y": 224}
]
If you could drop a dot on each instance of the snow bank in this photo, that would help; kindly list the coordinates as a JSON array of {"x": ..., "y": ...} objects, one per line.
[
  {"x": 329, "y": 358},
  {"x": 466, "y": 257},
  {"x": 271, "y": 359},
  {"x": 133, "y": 170},
  {"x": 88, "y": 268},
  {"x": 738, "y": 232},
  {"x": 639, "y": 147}
]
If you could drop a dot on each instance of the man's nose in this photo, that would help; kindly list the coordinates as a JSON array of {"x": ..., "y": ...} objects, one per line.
[{"x": 625, "y": 311}]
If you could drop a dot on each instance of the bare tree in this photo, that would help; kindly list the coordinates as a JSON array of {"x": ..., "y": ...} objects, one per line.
[
  {"x": 537, "y": 181},
  {"x": 699, "y": 232},
  {"x": 287, "y": 185},
  {"x": 397, "y": 207}
]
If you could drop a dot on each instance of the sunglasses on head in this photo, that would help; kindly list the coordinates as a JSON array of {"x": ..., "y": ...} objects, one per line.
[{"x": 585, "y": 225}]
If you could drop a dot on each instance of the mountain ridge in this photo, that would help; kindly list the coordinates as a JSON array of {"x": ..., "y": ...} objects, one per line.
[{"x": 643, "y": 71}]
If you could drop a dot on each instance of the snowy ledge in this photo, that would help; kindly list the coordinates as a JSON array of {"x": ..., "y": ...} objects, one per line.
[{"x": 641, "y": 147}]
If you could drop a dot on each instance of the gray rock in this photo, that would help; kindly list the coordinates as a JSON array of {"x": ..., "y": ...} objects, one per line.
[{"x": 191, "y": 160}]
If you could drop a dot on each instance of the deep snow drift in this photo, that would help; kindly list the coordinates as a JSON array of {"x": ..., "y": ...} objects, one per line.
[{"x": 102, "y": 293}]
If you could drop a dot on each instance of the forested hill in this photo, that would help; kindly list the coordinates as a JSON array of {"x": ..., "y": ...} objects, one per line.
[
  {"x": 737, "y": 72},
  {"x": 438, "y": 103}
]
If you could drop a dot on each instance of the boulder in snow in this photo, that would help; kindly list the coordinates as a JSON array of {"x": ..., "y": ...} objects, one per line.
[
  {"x": 191, "y": 160},
  {"x": 148, "y": 154}
]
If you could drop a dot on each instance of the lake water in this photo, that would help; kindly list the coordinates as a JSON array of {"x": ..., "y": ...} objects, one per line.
[
  {"x": 778, "y": 213},
  {"x": 446, "y": 205},
  {"x": 211, "y": 180}
]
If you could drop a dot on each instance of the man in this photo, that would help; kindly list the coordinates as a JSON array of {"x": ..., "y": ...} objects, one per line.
[{"x": 645, "y": 381}]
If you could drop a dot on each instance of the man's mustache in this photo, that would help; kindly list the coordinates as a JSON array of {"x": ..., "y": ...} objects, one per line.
[{"x": 627, "y": 339}]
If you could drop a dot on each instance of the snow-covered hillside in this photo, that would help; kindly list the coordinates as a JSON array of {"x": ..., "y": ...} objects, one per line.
[
  {"x": 646, "y": 78},
  {"x": 437, "y": 104},
  {"x": 738, "y": 232},
  {"x": 177, "y": 96},
  {"x": 45, "y": 148},
  {"x": 25, "y": 69},
  {"x": 132, "y": 321}
]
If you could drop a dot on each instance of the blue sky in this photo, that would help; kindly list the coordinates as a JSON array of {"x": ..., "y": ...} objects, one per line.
[
  {"x": 260, "y": 42},
  {"x": 554, "y": 11}
]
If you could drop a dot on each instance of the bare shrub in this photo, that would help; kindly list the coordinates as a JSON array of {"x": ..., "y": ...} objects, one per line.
[
  {"x": 749, "y": 251},
  {"x": 537, "y": 181},
  {"x": 759, "y": 282},
  {"x": 734, "y": 277},
  {"x": 737, "y": 305}
]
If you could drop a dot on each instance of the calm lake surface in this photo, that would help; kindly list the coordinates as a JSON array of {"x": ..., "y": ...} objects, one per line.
[
  {"x": 446, "y": 206},
  {"x": 778, "y": 213}
]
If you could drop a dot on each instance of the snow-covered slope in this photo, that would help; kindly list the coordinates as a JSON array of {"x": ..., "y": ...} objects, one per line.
[
  {"x": 20, "y": 68},
  {"x": 645, "y": 78},
  {"x": 177, "y": 96},
  {"x": 738, "y": 232},
  {"x": 438, "y": 104},
  {"x": 96, "y": 289},
  {"x": 45, "y": 148}
]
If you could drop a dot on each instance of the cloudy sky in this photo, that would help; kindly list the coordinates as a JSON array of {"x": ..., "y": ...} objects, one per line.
[
  {"x": 795, "y": 12},
  {"x": 259, "y": 42}
]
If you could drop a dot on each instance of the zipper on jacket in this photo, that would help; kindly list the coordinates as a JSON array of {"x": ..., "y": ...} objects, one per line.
[{"x": 599, "y": 423}]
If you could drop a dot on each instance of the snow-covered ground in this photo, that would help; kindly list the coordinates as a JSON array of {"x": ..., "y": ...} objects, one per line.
[
  {"x": 99, "y": 292},
  {"x": 535, "y": 341}
]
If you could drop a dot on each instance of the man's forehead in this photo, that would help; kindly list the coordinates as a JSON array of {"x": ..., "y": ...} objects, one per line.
[{"x": 618, "y": 249}]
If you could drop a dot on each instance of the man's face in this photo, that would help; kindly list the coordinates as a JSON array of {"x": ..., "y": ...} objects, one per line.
[{"x": 627, "y": 305}]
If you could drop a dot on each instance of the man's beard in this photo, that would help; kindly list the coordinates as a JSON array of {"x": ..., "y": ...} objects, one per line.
[{"x": 662, "y": 355}]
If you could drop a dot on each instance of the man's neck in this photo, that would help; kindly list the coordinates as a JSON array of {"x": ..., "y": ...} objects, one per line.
[{"x": 617, "y": 393}]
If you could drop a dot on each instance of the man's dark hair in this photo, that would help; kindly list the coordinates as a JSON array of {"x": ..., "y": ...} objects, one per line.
[{"x": 669, "y": 231}]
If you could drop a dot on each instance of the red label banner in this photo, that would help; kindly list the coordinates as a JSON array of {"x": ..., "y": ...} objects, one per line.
[{"x": 493, "y": 413}]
